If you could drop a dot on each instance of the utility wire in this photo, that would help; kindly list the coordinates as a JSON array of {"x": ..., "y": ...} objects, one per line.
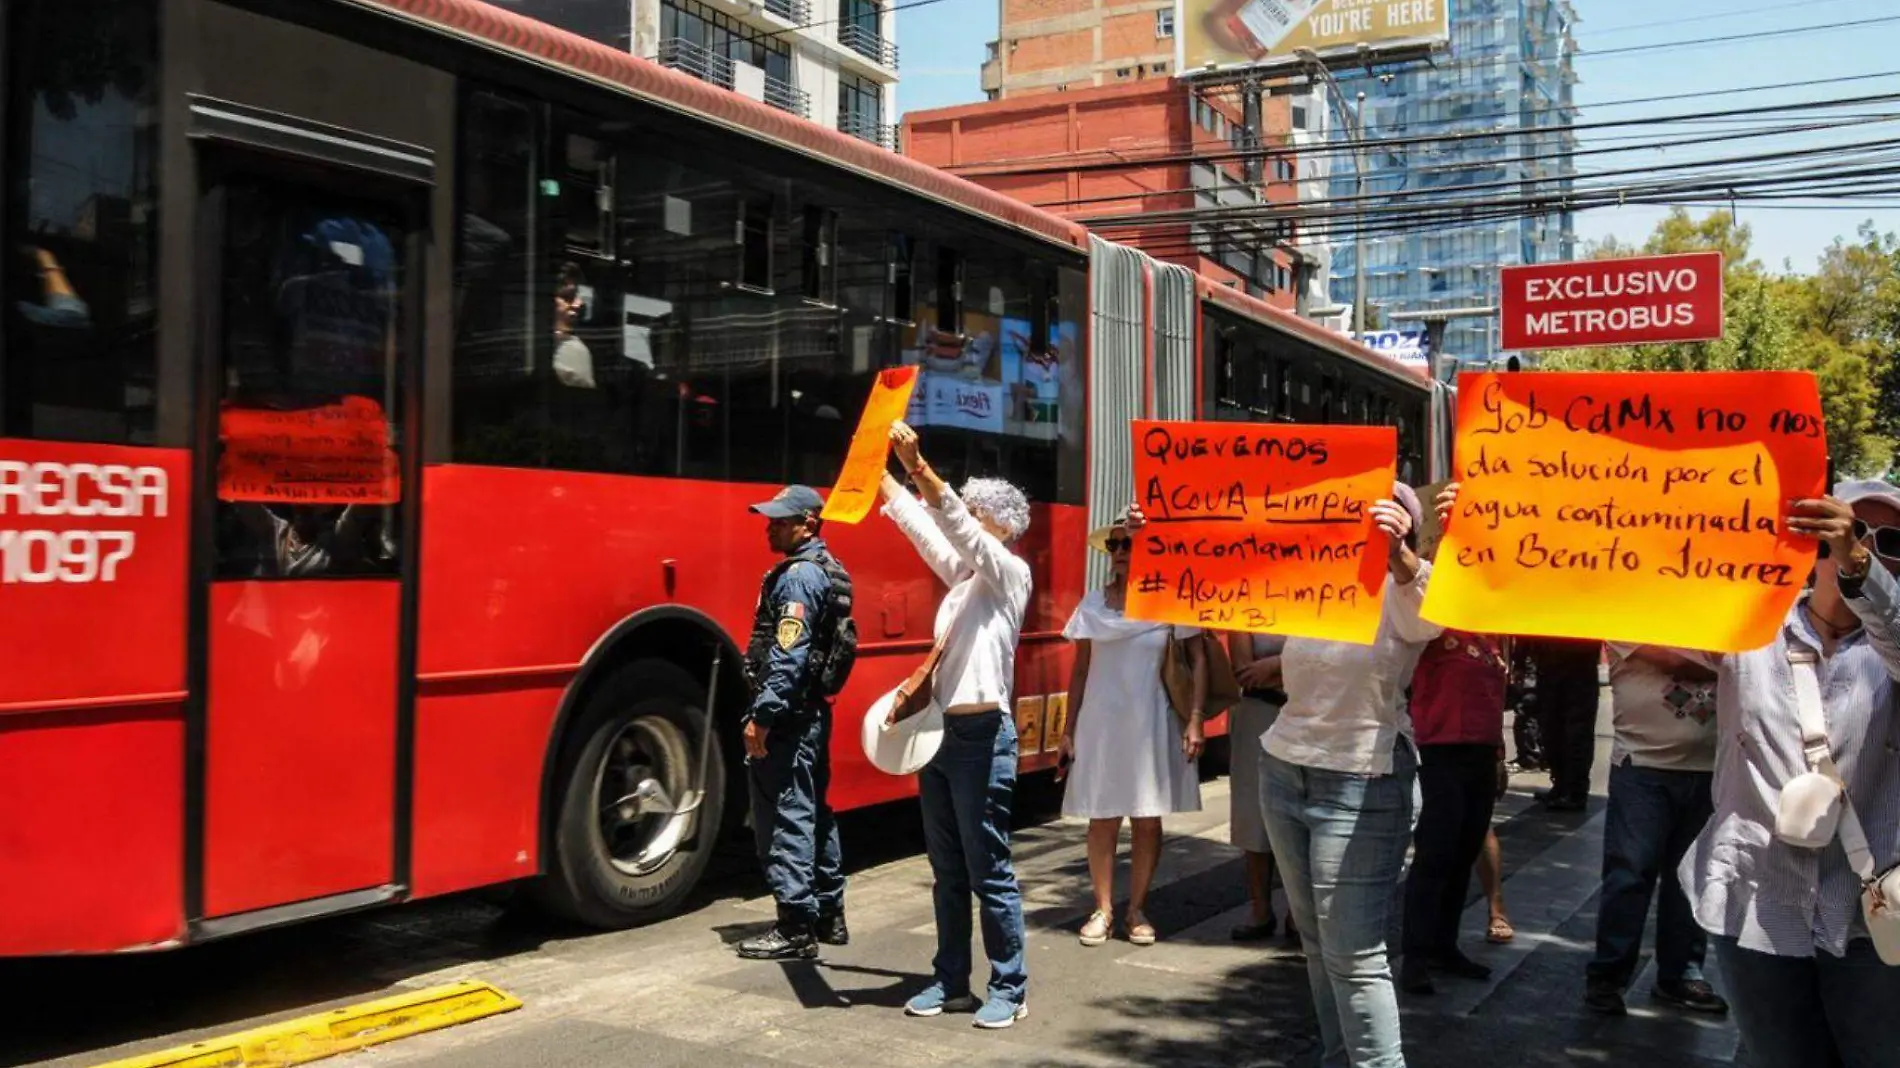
[{"x": 1659, "y": 46}]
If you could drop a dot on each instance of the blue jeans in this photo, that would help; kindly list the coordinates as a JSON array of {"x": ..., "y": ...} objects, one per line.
[
  {"x": 792, "y": 824},
  {"x": 966, "y": 792},
  {"x": 1813, "y": 1012},
  {"x": 1653, "y": 819},
  {"x": 1340, "y": 841}
]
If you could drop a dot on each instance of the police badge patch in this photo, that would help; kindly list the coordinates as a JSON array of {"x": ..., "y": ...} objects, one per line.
[{"x": 791, "y": 626}]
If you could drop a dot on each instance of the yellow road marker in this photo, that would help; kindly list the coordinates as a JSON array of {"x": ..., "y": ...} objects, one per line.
[{"x": 327, "y": 1034}]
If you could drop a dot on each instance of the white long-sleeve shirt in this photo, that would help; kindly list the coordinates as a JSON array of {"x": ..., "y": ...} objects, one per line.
[
  {"x": 1344, "y": 702},
  {"x": 981, "y": 618}
]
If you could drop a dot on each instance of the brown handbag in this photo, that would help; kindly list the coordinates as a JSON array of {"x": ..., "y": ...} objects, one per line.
[
  {"x": 914, "y": 695},
  {"x": 1177, "y": 677}
]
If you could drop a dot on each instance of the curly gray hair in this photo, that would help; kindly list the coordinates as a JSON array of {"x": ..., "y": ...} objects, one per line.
[{"x": 1000, "y": 503}]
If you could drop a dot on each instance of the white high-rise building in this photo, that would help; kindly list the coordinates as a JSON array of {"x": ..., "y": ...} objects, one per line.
[{"x": 831, "y": 61}]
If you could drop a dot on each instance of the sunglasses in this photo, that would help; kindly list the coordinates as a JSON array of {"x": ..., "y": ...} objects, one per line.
[
  {"x": 1886, "y": 543},
  {"x": 1115, "y": 545}
]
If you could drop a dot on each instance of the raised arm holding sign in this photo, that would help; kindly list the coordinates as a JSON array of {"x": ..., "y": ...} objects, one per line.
[
  {"x": 1262, "y": 528},
  {"x": 1647, "y": 508}
]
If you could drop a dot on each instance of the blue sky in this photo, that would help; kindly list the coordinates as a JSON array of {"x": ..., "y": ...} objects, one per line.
[{"x": 942, "y": 48}]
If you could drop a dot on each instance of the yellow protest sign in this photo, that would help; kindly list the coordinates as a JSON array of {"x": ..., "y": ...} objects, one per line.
[
  {"x": 864, "y": 465},
  {"x": 1636, "y": 507},
  {"x": 1261, "y": 527}
]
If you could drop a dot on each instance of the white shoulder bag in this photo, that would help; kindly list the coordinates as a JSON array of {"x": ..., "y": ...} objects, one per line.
[{"x": 1814, "y": 807}]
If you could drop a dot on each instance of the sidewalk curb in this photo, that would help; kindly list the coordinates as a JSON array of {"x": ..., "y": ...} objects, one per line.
[{"x": 327, "y": 1034}]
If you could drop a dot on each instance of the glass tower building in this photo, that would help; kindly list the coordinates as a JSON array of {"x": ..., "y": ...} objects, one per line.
[{"x": 1505, "y": 90}]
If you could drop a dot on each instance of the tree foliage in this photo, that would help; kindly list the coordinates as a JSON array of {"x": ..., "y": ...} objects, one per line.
[{"x": 1842, "y": 322}]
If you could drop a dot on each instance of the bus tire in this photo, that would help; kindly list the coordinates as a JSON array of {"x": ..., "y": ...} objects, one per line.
[{"x": 642, "y": 722}]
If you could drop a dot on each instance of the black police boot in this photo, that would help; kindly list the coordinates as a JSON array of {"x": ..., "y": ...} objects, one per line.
[
  {"x": 831, "y": 930},
  {"x": 782, "y": 942}
]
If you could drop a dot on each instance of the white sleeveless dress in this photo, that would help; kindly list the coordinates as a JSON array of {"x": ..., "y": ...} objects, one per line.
[{"x": 1128, "y": 756}]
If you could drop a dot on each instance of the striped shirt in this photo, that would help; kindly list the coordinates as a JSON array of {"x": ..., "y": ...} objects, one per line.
[{"x": 1744, "y": 883}]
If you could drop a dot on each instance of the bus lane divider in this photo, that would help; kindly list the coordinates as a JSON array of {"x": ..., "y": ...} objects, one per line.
[
  {"x": 869, "y": 455},
  {"x": 1640, "y": 507},
  {"x": 327, "y": 1034},
  {"x": 1261, "y": 528}
]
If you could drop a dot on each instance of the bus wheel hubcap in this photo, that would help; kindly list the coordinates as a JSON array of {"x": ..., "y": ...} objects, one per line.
[{"x": 642, "y": 777}]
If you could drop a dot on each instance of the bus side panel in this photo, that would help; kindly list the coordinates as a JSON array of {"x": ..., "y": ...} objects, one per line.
[
  {"x": 92, "y": 636},
  {"x": 479, "y": 747},
  {"x": 524, "y": 571},
  {"x": 98, "y": 865}
]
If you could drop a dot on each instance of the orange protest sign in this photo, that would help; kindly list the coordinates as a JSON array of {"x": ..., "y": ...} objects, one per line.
[
  {"x": 1635, "y": 507},
  {"x": 1260, "y": 527},
  {"x": 334, "y": 454},
  {"x": 864, "y": 465}
]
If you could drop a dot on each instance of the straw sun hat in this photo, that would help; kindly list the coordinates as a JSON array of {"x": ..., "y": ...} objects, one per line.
[{"x": 1098, "y": 538}]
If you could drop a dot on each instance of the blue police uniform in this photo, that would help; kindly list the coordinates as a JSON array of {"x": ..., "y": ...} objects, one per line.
[{"x": 796, "y": 835}]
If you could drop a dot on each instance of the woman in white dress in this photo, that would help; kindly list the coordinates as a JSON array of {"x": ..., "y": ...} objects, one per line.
[{"x": 1132, "y": 758}]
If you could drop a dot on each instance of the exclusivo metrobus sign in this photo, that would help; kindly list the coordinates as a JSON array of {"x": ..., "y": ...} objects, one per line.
[{"x": 1641, "y": 300}]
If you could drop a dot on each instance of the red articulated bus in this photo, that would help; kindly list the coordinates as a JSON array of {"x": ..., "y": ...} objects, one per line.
[{"x": 382, "y": 385}]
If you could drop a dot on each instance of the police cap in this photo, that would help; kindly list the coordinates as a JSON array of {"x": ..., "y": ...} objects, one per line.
[{"x": 790, "y": 503}]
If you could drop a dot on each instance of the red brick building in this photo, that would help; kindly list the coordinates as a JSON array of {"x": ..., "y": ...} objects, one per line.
[
  {"x": 1128, "y": 149},
  {"x": 1046, "y": 46}
]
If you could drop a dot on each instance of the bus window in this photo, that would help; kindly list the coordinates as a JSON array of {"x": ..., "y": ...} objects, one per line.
[
  {"x": 818, "y": 255},
  {"x": 949, "y": 291},
  {"x": 502, "y": 324},
  {"x": 80, "y": 224},
  {"x": 311, "y": 348},
  {"x": 754, "y": 232},
  {"x": 903, "y": 258}
]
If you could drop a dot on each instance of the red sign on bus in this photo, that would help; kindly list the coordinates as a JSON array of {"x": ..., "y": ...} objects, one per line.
[{"x": 1642, "y": 300}]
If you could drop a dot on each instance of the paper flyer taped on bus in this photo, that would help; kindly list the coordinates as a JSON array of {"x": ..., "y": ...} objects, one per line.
[
  {"x": 1595, "y": 505},
  {"x": 334, "y": 454},
  {"x": 1261, "y": 528},
  {"x": 864, "y": 464}
]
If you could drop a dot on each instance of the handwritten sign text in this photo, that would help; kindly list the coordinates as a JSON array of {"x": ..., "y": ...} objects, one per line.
[
  {"x": 1260, "y": 528},
  {"x": 1644, "y": 508}
]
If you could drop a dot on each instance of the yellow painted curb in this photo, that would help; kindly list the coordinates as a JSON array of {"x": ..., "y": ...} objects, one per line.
[{"x": 338, "y": 1031}]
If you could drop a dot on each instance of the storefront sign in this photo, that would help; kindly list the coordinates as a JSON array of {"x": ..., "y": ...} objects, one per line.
[
  {"x": 1642, "y": 508},
  {"x": 1638, "y": 301}
]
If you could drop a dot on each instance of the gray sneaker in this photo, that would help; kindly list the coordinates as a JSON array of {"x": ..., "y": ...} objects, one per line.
[
  {"x": 997, "y": 1014},
  {"x": 932, "y": 1001}
]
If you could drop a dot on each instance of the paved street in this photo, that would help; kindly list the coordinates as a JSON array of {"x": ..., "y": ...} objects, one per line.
[{"x": 674, "y": 994}]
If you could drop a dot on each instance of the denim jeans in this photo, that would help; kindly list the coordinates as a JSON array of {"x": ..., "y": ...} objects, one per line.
[
  {"x": 1653, "y": 819},
  {"x": 1813, "y": 1012},
  {"x": 966, "y": 792},
  {"x": 1340, "y": 841},
  {"x": 1459, "y": 784},
  {"x": 792, "y": 824}
]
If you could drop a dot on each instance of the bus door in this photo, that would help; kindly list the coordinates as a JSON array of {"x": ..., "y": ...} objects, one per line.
[{"x": 309, "y": 289}]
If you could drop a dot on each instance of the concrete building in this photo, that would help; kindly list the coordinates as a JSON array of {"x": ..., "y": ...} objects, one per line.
[
  {"x": 1047, "y": 46},
  {"x": 831, "y": 61},
  {"x": 1124, "y": 150},
  {"x": 1510, "y": 72}
]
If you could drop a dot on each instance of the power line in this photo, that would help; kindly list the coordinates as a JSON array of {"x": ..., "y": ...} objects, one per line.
[
  {"x": 1126, "y": 160},
  {"x": 1724, "y": 15},
  {"x": 1728, "y": 38},
  {"x": 1648, "y": 144}
]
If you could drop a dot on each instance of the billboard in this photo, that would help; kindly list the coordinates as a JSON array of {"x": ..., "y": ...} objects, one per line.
[
  {"x": 1640, "y": 300},
  {"x": 1217, "y": 35}
]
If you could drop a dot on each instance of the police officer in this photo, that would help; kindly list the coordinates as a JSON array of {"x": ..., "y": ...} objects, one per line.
[{"x": 788, "y": 732}]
